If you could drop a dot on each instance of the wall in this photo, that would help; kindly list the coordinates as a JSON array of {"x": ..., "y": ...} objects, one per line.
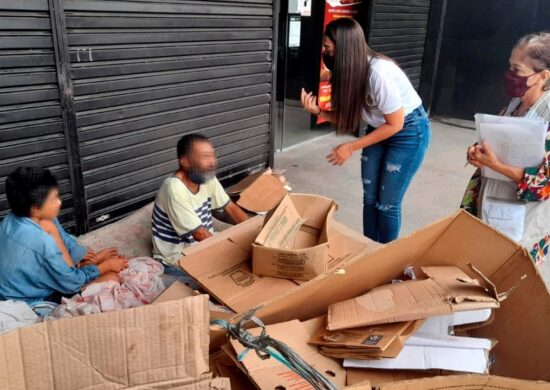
[{"x": 478, "y": 36}]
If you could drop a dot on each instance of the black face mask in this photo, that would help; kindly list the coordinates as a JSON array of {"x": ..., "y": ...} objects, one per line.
[{"x": 328, "y": 61}]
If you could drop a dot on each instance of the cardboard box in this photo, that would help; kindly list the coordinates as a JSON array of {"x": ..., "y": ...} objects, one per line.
[
  {"x": 271, "y": 374},
  {"x": 222, "y": 266},
  {"x": 146, "y": 347},
  {"x": 445, "y": 290},
  {"x": 259, "y": 192},
  {"x": 296, "y": 238},
  {"x": 465, "y": 382},
  {"x": 520, "y": 324}
]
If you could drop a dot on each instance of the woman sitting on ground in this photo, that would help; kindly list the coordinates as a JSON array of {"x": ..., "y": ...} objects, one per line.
[
  {"x": 39, "y": 261},
  {"x": 528, "y": 83}
]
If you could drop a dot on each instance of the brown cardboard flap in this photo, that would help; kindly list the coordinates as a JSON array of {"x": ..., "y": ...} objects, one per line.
[
  {"x": 242, "y": 185},
  {"x": 361, "y": 351},
  {"x": 465, "y": 382},
  {"x": 447, "y": 290},
  {"x": 148, "y": 344},
  {"x": 176, "y": 291},
  {"x": 377, "y": 377},
  {"x": 269, "y": 374},
  {"x": 263, "y": 194},
  {"x": 281, "y": 226}
]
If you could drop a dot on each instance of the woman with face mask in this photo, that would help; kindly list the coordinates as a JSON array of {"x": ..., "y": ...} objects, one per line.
[
  {"x": 527, "y": 82},
  {"x": 370, "y": 89}
]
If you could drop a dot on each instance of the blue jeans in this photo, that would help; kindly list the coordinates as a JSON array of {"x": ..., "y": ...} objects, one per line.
[{"x": 387, "y": 169}]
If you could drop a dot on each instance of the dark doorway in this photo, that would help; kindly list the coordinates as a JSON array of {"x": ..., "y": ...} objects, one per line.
[{"x": 477, "y": 39}]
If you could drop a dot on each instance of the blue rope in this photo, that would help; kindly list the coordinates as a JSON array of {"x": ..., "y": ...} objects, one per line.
[{"x": 267, "y": 347}]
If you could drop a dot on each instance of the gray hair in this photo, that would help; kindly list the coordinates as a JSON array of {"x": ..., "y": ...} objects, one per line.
[{"x": 537, "y": 48}]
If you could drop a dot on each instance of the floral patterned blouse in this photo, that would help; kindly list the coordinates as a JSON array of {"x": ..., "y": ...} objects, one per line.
[{"x": 535, "y": 185}]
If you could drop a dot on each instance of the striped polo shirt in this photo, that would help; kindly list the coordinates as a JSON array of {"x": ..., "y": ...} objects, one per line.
[{"x": 178, "y": 213}]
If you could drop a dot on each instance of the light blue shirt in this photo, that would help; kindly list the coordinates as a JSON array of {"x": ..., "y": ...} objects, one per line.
[{"x": 32, "y": 267}]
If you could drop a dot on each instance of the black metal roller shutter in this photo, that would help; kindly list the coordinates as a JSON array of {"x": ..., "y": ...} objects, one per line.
[
  {"x": 398, "y": 29},
  {"x": 31, "y": 123},
  {"x": 145, "y": 73}
]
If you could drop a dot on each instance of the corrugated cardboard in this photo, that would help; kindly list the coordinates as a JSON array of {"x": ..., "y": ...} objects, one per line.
[
  {"x": 453, "y": 241},
  {"x": 222, "y": 265},
  {"x": 295, "y": 240},
  {"x": 259, "y": 192},
  {"x": 466, "y": 382},
  {"x": 374, "y": 342},
  {"x": 447, "y": 289},
  {"x": 270, "y": 374},
  {"x": 147, "y": 345},
  {"x": 205, "y": 382},
  {"x": 376, "y": 377}
]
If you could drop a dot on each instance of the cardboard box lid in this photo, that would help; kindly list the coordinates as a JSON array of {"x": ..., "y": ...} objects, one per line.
[
  {"x": 466, "y": 382},
  {"x": 447, "y": 289},
  {"x": 120, "y": 349},
  {"x": 259, "y": 192},
  {"x": 269, "y": 374}
]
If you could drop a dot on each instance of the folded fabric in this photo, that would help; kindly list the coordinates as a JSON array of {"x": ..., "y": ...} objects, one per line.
[{"x": 15, "y": 314}]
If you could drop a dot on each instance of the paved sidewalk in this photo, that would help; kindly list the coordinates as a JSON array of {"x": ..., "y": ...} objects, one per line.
[{"x": 435, "y": 192}]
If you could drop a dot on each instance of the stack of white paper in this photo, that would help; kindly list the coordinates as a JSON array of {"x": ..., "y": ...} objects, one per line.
[{"x": 518, "y": 142}]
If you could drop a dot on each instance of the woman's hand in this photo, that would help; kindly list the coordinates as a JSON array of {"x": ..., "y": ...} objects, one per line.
[
  {"x": 484, "y": 156},
  {"x": 309, "y": 102},
  {"x": 340, "y": 154},
  {"x": 470, "y": 156}
]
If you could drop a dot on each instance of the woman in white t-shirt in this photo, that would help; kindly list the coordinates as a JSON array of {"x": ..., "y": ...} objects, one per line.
[{"x": 370, "y": 88}]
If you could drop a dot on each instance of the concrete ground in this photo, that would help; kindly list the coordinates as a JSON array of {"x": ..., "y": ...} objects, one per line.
[{"x": 435, "y": 192}]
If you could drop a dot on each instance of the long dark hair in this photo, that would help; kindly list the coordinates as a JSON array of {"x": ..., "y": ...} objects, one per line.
[{"x": 350, "y": 76}]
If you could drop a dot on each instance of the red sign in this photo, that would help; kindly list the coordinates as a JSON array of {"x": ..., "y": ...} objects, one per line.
[{"x": 334, "y": 9}]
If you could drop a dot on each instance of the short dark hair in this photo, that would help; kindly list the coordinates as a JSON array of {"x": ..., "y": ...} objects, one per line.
[
  {"x": 27, "y": 187},
  {"x": 185, "y": 144}
]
